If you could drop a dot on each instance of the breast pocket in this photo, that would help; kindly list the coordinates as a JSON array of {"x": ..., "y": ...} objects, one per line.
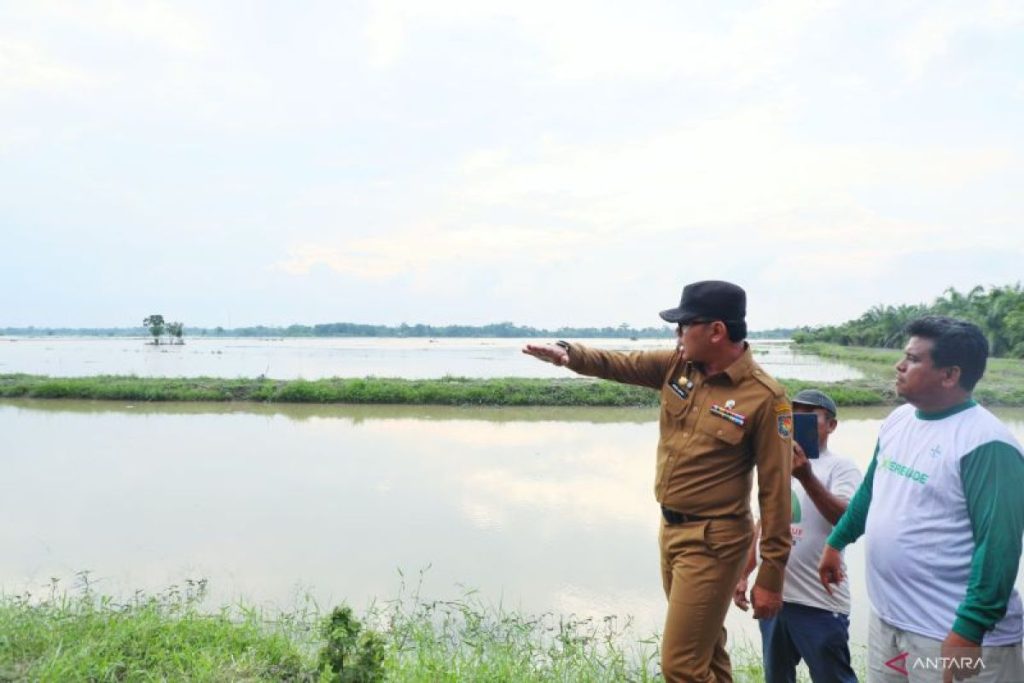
[
  {"x": 721, "y": 430},
  {"x": 673, "y": 402}
]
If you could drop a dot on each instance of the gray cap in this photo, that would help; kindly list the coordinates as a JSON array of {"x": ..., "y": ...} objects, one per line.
[{"x": 818, "y": 399}]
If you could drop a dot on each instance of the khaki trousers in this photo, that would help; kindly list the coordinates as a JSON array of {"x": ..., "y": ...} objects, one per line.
[
  {"x": 893, "y": 651},
  {"x": 701, "y": 563}
]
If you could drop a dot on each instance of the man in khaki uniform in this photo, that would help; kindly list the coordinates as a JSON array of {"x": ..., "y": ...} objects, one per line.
[{"x": 721, "y": 416}]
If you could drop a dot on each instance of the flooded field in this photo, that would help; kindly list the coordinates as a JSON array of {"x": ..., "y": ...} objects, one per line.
[
  {"x": 339, "y": 357},
  {"x": 540, "y": 509}
]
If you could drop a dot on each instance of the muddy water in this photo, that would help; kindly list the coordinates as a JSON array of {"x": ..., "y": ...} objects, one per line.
[
  {"x": 541, "y": 509},
  {"x": 338, "y": 357}
]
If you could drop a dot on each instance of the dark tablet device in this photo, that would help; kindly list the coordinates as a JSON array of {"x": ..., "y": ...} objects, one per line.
[{"x": 805, "y": 431}]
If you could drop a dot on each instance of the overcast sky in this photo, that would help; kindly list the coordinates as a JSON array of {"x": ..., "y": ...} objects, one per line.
[{"x": 547, "y": 163}]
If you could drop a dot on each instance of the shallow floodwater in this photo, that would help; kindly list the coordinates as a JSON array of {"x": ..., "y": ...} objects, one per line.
[
  {"x": 339, "y": 357},
  {"x": 540, "y": 509}
]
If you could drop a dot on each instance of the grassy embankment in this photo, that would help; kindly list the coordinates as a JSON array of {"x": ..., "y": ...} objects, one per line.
[
  {"x": 84, "y": 636},
  {"x": 1002, "y": 385}
]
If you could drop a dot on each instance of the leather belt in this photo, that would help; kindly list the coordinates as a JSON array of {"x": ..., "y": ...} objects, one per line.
[{"x": 675, "y": 517}]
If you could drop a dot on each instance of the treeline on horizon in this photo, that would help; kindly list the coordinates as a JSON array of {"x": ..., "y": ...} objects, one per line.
[
  {"x": 998, "y": 311},
  {"x": 504, "y": 329}
]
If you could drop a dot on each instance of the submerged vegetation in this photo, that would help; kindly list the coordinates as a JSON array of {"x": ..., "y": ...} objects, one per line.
[
  {"x": 157, "y": 326},
  {"x": 347, "y": 329}
]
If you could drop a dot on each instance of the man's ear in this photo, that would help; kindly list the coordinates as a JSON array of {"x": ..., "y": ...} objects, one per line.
[{"x": 951, "y": 376}]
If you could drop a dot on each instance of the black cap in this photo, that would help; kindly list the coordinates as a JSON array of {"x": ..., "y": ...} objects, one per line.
[
  {"x": 709, "y": 300},
  {"x": 817, "y": 399}
]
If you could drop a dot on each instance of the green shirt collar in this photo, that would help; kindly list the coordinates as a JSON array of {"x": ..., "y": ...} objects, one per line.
[{"x": 969, "y": 403}]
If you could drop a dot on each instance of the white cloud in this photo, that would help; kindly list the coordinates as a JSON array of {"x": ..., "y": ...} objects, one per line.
[
  {"x": 626, "y": 43},
  {"x": 744, "y": 178},
  {"x": 24, "y": 65},
  {"x": 555, "y": 143},
  {"x": 385, "y": 34},
  {"x": 741, "y": 170},
  {"x": 166, "y": 24},
  {"x": 586, "y": 41},
  {"x": 376, "y": 258},
  {"x": 930, "y": 38}
]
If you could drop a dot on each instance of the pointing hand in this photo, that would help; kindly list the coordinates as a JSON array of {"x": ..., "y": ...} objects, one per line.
[{"x": 549, "y": 353}]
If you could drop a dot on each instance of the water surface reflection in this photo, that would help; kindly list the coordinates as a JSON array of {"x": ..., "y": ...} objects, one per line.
[
  {"x": 540, "y": 508},
  {"x": 411, "y": 358}
]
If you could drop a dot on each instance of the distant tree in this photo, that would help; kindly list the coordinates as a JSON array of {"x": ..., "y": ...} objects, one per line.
[
  {"x": 998, "y": 311},
  {"x": 176, "y": 330},
  {"x": 156, "y": 326}
]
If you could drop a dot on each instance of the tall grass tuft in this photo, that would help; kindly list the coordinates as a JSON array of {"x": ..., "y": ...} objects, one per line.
[
  {"x": 469, "y": 640},
  {"x": 84, "y": 636}
]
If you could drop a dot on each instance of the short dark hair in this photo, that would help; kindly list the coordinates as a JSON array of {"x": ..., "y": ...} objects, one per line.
[
  {"x": 737, "y": 329},
  {"x": 954, "y": 342}
]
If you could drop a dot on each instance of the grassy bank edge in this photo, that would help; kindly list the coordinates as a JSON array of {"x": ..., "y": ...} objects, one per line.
[
  {"x": 83, "y": 635},
  {"x": 446, "y": 391},
  {"x": 1003, "y": 385}
]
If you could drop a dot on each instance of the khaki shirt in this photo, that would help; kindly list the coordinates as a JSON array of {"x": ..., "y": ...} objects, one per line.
[{"x": 705, "y": 462}]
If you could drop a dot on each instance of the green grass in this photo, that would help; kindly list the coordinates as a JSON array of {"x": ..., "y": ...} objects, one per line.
[
  {"x": 1003, "y": 384},
  {"x": 87, "y": 637},
  {"x": 371, "y": 390},
  {"x": 84, "y": 636}
]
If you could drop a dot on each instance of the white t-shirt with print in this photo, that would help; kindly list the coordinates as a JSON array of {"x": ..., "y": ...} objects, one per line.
[{"x": 841, "y": 477}]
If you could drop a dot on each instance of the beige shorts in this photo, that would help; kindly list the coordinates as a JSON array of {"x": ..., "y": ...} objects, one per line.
[{"x": 898, "y": 656}]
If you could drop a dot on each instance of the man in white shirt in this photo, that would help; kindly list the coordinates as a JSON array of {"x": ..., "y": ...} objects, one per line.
[
  {"x": 812, "y": 626},
  {"x": 942, "y": 514}
]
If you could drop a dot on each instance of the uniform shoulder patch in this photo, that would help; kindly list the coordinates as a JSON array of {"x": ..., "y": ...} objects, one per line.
[{"x": 785, "y": 422}]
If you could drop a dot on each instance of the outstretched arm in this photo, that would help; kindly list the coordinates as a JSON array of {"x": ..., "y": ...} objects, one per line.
[
  {"x": 549, "y": 353},
  {"x": 643, "y": 368}
]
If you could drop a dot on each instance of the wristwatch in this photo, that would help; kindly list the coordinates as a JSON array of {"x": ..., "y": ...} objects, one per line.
[{"x": 565, "y": 345}]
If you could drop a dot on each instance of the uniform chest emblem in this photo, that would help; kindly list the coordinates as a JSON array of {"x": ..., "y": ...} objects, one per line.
[
  {"x": 681, "y": 387},
  {"x": 727, "y": 413}
]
